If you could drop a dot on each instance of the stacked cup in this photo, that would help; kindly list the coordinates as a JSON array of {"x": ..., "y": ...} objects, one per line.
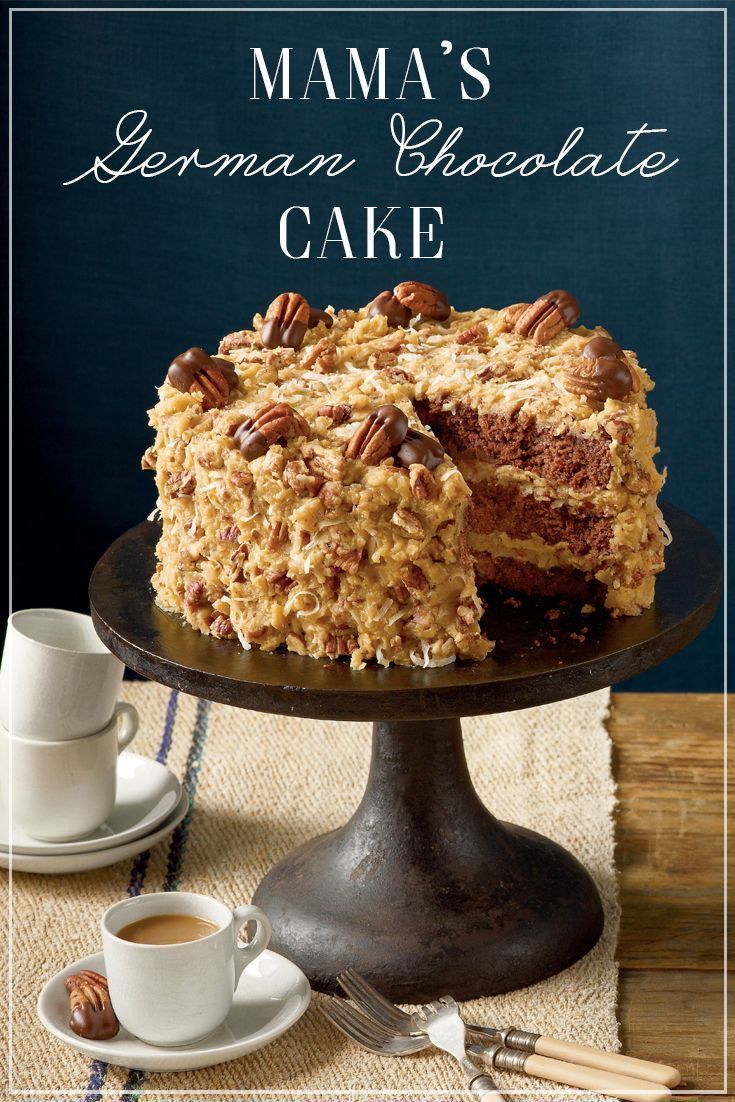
[{"x": 61, "y": 724}]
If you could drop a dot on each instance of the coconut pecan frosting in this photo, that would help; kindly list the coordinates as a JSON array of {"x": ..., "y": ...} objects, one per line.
[{"x": 339, "y": 483}]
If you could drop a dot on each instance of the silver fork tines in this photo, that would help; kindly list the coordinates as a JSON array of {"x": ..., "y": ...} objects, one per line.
[
  {"x": 375, "y": 1005},
  {"x": 371, "y": 1035}
]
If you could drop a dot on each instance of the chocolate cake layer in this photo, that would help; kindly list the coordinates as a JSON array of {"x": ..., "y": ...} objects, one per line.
[
  {"x": 496, "y": 508},
  {"x": 515, "y": 440},
  {"x": 524, "y": 577}
]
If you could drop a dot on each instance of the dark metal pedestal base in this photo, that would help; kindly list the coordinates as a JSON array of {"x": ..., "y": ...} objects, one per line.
[{"x": 423, "y": 890}]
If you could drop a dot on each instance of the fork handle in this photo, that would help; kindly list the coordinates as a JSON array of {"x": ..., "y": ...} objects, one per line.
[
  {"x": 595, "y": 1079},
  {"x": 607, "y": 1061},
  {"x": 483, "y": 1087}
]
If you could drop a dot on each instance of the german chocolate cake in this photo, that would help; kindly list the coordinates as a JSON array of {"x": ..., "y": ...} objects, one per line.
[{"x": 340, "y": 483}]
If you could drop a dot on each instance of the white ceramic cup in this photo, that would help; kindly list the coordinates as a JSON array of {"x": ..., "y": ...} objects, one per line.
[
  {"x": 172, "y": 995},
  {"x": 64, "y": 790},
  {"x": 57, "y": 680}
]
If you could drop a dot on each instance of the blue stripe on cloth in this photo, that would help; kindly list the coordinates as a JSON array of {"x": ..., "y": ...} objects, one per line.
[
  {"x": 135, "y": 1081},
  {"x": 98, "y": 1068}
]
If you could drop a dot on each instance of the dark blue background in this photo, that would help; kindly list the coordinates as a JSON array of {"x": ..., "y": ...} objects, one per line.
[{"x": 112, "y": 281}]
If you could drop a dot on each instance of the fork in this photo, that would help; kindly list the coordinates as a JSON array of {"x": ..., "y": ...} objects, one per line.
[
  {"x": 375, "y": 1038},
  {"x": 441, "y": 1022},
  {"x": 446, "y": 1031},
  {"x": 393, "y": 1018}
]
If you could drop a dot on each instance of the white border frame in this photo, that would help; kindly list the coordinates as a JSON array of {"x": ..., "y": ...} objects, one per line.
[{"x": 81, "y": 1091}]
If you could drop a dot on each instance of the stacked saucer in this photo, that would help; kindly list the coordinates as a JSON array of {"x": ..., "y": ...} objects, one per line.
[{"x": 150, "y": 803}]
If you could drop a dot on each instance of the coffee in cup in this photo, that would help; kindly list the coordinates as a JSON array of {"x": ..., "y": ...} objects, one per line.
[{"x": 168, "y": 929}]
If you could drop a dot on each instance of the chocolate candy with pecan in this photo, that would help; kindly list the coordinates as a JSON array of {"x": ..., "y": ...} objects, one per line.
[
  {"x": 212, "y": 376},
  {"x": 274, "y": 421},
  {"x": 286, "y": 321},
  {"x": 545, "y": 318},
  {"x": 92, "y": 1016},
  {"x": 601, "y": 372},
  {"x": 421, "y": 298},
  {"x": 378, "y": 435}
]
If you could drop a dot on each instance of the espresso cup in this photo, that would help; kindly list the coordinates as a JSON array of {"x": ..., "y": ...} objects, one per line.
[
  {"x": 172, "y": 995},
  {"x": 57, "y": 680},
  {"x": 61, "y": 791}
]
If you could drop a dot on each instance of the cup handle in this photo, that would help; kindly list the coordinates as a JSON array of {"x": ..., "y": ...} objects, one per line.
[
  {"x": 129, "y": 724},
  {"x": 244, "y": 954}
]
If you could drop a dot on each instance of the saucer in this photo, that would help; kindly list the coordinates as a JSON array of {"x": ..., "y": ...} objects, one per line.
[
  {"x": 272, "y": 994},
  {"x": 147, "y": 793},
  {"x": 99, "y": 858}
]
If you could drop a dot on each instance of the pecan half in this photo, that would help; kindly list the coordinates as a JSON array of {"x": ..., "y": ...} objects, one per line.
[
  {"x": 545, "y": 318},
  {"x": 195, "y": 372},
  {"x": 286, "y": 321},
  {"x": 378, "y": 435},
  {"x": 511, "y": 314},
  {"x": 92, "y": 1015},
  {"x": 422, "y": 299},
  {"x": 272, "y": 422},
  {"x": 601, "y": 372},
  {"x": 337, "y": 414}
]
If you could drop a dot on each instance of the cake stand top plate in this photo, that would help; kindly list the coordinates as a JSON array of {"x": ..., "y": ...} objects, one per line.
[{"x": 538, "y": 657}]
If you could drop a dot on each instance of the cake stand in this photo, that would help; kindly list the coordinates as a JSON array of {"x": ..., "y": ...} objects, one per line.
[{"x": 423, "y": 890}]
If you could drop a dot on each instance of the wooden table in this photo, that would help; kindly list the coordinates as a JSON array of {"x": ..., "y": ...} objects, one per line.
[{"x": 668, "y": 762}]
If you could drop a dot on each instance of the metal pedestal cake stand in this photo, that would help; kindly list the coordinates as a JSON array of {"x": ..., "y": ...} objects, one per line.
[{"x": 423, "y": 890}]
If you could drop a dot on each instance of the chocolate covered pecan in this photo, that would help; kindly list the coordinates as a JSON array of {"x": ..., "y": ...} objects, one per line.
[
  {"x": 601, "y": 372},
  {"x": 422, "y": 299},
  {"x": 195, "y": 372},
  {"x": 378, "y": 435},
  {"x": 387, "y": 305},
  {"x": 92, "y": 1015},
  {"x": 547, "y": 316},
  {"x": 273, "y": 422},
  {"x": 286, "y": 321}
]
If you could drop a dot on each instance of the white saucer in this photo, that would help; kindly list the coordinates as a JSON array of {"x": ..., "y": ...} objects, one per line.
[
  {"x": 99, "y": 858},
  {"x": 147, "y": 793},
  {"x": 272, "y": 994}
]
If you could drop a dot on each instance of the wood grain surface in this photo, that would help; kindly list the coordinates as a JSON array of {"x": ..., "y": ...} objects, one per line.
[{"x": 669, "y": 765}]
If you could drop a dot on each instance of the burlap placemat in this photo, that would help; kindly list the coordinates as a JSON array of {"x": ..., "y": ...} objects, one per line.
[{"x": 263, "y": 784}]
